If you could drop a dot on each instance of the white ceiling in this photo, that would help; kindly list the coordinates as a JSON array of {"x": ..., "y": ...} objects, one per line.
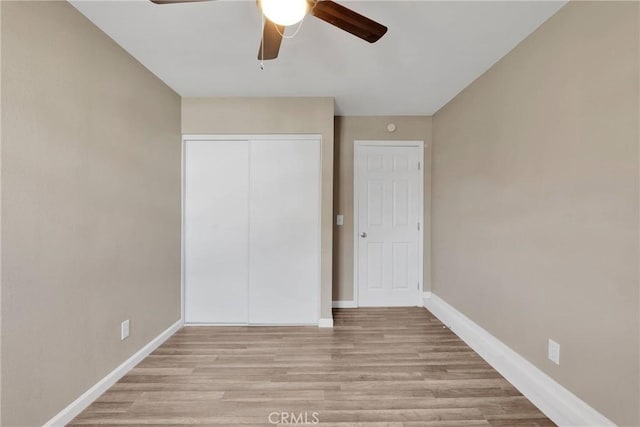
[{"x": 432, "y": 51}]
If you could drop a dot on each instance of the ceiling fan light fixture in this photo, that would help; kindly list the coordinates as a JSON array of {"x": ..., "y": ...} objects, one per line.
[{"x": 284, "y": 12}]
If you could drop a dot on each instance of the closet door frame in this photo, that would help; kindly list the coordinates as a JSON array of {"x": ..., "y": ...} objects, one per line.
[{"x": 245, "y": 137}]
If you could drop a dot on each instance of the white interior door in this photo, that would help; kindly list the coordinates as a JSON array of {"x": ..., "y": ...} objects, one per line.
[
  {"x": 389, "y": 225},
  {"x": 216, "y": 231},
  {"x": 285, "y": 232}
]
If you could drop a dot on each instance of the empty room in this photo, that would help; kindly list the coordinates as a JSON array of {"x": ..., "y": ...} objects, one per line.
[{"x": 358, "y": 213}]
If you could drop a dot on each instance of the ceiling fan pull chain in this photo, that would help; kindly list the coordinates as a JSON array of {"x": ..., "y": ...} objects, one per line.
[{"x": 292, "y": 35}]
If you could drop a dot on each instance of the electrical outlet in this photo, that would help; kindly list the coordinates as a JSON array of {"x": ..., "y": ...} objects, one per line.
[
  {"x": 340, "y": 220},
  {"x": 124, "y": 329},
  {"x": 554, "y": 352}
]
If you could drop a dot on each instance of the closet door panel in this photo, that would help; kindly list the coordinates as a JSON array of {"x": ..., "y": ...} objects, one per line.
[
  {"x": 284, "y": 237},
  {"x": 216, "y": 231}
]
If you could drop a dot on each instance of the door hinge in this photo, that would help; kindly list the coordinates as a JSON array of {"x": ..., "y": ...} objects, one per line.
[
  {"x": 418, "y": 225},
  {"x": 418, "y": 165},
  {"x": 418, "y": 287}
]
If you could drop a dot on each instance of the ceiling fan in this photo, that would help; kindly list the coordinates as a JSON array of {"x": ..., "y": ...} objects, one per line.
[{"x": 281, "y": 13}]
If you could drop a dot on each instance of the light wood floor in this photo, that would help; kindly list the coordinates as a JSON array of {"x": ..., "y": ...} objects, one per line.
[{"x": 391, "y": 367}]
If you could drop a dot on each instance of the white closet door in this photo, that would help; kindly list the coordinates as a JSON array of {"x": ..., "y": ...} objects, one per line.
[
  {"x": 284, "y": 238},
  {"x": 216, "y": 234}
]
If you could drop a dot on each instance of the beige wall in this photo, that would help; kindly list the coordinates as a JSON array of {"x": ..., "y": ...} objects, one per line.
[
  {"x": 219, "y": 116},
  {"x": 347, "y": 130},
  {"x": 535, "y": 202},
  {"x": 90, "y": 207},
  {"x": 0, "y": 213}
]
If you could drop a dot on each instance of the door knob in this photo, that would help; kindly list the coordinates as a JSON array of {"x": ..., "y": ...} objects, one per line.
[{"x": 363, "y": 235}]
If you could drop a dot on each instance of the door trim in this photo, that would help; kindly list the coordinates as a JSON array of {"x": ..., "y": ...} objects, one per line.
[
  {"x": 356, "y": 218},
  {"x": 246, "y": 137}
]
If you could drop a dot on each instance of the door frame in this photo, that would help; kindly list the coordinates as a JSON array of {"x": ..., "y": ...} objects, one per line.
[
  {"x": 243, "y": 137},
  {"x": 356, "y": 218}
]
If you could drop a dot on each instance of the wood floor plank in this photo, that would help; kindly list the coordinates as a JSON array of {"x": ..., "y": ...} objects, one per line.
[{"x": 378, "y": 367}]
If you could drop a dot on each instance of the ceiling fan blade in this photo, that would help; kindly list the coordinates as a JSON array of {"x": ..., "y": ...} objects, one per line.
[
  {"x": 175, "y": 1},
  {"x": 348, "y": 20},
  {"x": 271, "y": 40}
]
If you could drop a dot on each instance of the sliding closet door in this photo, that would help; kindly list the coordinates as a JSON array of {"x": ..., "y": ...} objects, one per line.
[
  {"x": 284, "y": 237},
  {"x": 216, "y": 231}
]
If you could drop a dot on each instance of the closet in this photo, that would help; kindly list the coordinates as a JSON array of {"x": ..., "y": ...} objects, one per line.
[{"x": 252, "y": 230}]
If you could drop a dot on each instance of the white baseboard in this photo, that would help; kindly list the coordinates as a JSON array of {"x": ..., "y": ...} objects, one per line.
[
  {"x": 70, "y": 412},
  {"x": 344, "y": 304},
  {"x": 325, "y": 323},
  {"x": 559, "y": 404}
]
